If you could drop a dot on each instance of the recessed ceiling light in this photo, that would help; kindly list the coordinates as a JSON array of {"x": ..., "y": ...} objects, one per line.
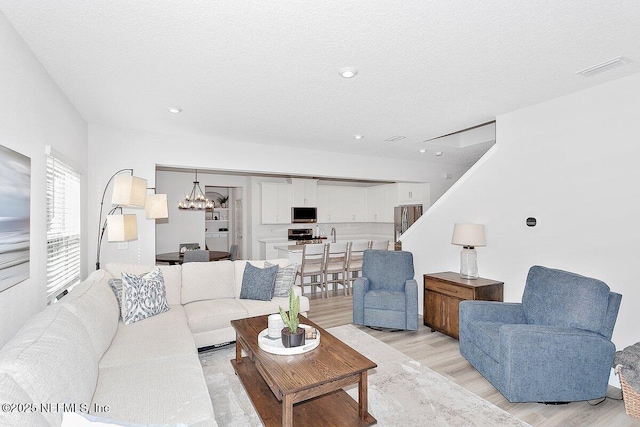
[
  {"x": 438, "y": 153},
  {"x": 347, "y": 72},
  {"x": 423, "y": 150},
  {"x": 175, "y": 110},
  {"x": 358, "y": 136}
]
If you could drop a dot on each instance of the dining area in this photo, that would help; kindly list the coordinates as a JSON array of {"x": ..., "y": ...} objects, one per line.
[{"x": 191, "y": 252}]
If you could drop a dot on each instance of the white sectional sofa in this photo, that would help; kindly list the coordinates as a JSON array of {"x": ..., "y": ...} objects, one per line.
[{"x": 78, "y": 356}]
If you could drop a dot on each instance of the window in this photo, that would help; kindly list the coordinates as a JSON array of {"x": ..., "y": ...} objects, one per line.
[{"x": 63, "y": 227}]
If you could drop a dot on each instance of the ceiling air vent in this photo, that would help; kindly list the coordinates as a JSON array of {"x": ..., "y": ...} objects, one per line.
[
  {"x": 604, "y": 66},
  {"x": 395, "y": 138}
]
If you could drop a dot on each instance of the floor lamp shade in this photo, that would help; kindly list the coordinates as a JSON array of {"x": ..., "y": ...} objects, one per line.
[
  {"x": 156, "y": 206},
  {"x": 129, "y": 191},
  {"x": 122, "y": 228}
]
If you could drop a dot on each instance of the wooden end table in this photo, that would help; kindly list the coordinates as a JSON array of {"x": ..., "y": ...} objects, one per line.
[
  {"x": 443, "y": 293},
  {"x": 305, "y": 389}
]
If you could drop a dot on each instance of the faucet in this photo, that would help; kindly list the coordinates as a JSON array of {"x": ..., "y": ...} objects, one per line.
[{"x": 333, "y": 234}]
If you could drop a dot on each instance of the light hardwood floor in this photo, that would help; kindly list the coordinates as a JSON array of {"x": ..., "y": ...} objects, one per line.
[{"x": 441, "y": 353}]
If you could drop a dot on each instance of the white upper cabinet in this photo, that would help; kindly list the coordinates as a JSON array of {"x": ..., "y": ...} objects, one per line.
[
  {"x": 305, "y": 192},
  {"x": 381, "y": 199},
  {"x": 276, "y": 203},
  {"x": 413, "y": 193},
  {"x": 353, "y": 204},
  {"x": 329, "y": 209}
]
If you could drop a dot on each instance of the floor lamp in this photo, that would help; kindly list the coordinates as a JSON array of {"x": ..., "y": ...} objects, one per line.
[{"x": 128, "y": 191}]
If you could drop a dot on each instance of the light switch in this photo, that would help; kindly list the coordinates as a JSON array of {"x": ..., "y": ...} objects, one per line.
[{"x": 123, "y": 245}]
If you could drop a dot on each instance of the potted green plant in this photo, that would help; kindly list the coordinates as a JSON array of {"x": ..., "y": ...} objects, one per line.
[
  {"x": 223, "y": 201},
  {"x": 292, "y": 335}
]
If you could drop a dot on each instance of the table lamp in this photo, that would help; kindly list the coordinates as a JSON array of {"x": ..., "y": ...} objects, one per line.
[{"x": 468, "y": 236}]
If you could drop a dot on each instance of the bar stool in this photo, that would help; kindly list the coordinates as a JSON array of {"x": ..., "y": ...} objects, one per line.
[
  {"x": 381, "y": 245},
  {"x": 335, "y": 264},
  {"x": 355, "y": 255},
  {"x": 312, "y": 266}
]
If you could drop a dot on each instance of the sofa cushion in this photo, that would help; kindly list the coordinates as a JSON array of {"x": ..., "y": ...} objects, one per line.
[
  {"x": 143, "y": 297},
  {"x": 166, "y": 390},
  {"x": 213, "y": 314},
  {"x": 53, "y": 359},
  {"x": 560, "y": 298},
  {"x": 11, "y": 393},
  {"x": 95, "y": 306},
  {"x": 258, "y": 283},
  {"x": 285, "y": 278},
  {"x": 385, "y": 300},
  {"x": 207, "y": 281},
  {"x": 172, "y": 275},
  {"x": 239, "y": 266},
  {"x": 116, "y": 287},
  {"x": 164, "y": 335}
]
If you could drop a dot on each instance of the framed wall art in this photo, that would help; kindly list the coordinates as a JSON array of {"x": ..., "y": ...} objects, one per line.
[{"x": 15, "y": 205}]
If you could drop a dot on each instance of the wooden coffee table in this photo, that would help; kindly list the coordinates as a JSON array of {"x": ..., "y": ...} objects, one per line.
[{"x": 306, "y": 388}]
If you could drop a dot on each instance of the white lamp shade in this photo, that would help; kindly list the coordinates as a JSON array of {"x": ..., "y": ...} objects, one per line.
[
  {"x": 129, "y": 191},
  {"x": 468, "y": 235},
  {"x": 122, "y": 228},
  {"x": 156, "y": 206}
]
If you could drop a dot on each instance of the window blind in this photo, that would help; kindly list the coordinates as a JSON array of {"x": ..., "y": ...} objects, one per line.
[{"x": 63, "y": 227}]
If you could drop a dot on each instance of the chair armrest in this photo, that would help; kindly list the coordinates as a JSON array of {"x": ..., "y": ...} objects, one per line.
[
  {"x": 411, "y": 295},
  {"x": 360, "y": 288},
  {"x": 491, "y": 311}
]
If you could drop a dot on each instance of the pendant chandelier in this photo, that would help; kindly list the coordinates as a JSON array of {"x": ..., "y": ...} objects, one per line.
[{"x": 195, "y": 200}]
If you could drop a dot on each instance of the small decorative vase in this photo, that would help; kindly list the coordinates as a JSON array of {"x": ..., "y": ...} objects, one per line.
[
  {"x": 224, "y": 205},
  {"x": 292, "y": 340}
]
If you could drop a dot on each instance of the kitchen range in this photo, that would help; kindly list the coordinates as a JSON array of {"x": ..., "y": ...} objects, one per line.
[{"x": 303, "y": 236}]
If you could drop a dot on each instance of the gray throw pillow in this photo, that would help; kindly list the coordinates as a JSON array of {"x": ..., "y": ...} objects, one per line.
[
  {"x": 116, "y": 287},
  {"x": 258, "y": 283},
  {"x": 143, "y": 296},
  {"x": 285, "y": 279}
]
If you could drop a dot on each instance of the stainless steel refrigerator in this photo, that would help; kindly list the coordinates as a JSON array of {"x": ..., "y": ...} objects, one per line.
[{"x": 403, "y": 217}]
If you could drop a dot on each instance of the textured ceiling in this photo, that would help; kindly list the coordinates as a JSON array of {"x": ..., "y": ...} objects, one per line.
[{"x": 267, "y": 71}]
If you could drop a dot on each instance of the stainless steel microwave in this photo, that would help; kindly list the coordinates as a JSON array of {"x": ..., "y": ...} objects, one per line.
[{"x": 304, "y": 215}]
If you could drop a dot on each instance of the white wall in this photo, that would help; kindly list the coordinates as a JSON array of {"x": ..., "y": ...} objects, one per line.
[
  {"x": 35, "y": 113},
  {"x": 573, "y": 164},
  {"x": 111, "y": 149}
]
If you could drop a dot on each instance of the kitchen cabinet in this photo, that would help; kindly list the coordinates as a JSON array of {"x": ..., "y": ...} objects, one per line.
[
  {"x": 329, "y": 209},
  {"x": 304, "y": 192},
  {"x": 381, "y": 199},
  {"x": 414, "y": 193},
  {"x": 353, "y": 203},
  {"x": 276, "y": 203}
]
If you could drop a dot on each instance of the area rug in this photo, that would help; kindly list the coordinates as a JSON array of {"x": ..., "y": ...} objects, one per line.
[{"x": 402, "y": 392}]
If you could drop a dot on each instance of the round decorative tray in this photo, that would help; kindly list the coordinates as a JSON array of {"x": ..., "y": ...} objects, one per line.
[{"x": 274, "y": 345}]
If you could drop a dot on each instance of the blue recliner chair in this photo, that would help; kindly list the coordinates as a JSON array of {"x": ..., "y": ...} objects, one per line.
[
  {"x": 555, "y": 346},
  {"x": 386, "y": 295}
]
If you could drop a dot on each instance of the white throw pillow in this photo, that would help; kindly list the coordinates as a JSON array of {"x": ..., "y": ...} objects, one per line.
[
  {"x": 285, "y": 279},
  {"x": 143, "y": 296}
]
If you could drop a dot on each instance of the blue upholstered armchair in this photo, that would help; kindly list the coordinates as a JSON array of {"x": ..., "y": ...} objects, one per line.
[
  {"x": 555, "y": 346},
  {"x": 386, "y": 295}
]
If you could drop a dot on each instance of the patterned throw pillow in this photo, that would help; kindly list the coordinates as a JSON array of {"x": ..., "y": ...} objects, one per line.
[
  {"x": 116, "y": 287},
  {"x": 285, "y": 279},
  {"x": 143, "y": 296},
  {"x": 257, "y": 283}
]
